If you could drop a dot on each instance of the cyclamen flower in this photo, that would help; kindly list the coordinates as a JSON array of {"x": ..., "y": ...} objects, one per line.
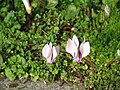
[
  {"x": 50, "y": 53},
  {"x": 77, "y": 53},
  {"x": 118, "y": 52},
  {"x": 27, "y": 6},
  {"x": 107, "y": 10}
]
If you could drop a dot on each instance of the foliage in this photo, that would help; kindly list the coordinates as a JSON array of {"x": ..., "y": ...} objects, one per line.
[{"x": 23, "y": 36}]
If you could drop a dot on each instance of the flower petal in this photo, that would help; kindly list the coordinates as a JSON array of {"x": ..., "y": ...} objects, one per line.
[
  {"x": 70, "y": 47},
  {"x": 27, "y": 5},
  {"x": 118, "y": 52},
  {"x": 107, "y": 10},
  {"x": 78, "y": 60},
  {"x": 55, "y": 52},
  {"x": 50, "y": 45},
  {"x": 75, "y": 40},
  {"x": 47, "y": 51},
  {"x": 57, "y": 49},
  {"x": 49, "y": 60},
  {"x": 85, "y": 48}
]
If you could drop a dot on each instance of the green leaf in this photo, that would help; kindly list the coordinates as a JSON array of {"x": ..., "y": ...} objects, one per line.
[
  {"x": 71, "y": 11},
  {"x": 55, "y": 71},
  {"x": 9, "y": 74},
  {"x": 63, "y": 74},
  {"x": 1, "y": 39},
  {"x": 1, "y": 59},
  {"x": 52, "y": 3},
  {"x": 56, "y": 29},
  {"x": 65, "y": 63}
]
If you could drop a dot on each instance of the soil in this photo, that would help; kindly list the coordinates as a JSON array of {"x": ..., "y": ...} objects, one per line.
[{"x": 24, "y": 84}]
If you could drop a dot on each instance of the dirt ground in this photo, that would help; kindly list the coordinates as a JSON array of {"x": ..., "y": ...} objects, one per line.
[{"x": 24, "y": 84}]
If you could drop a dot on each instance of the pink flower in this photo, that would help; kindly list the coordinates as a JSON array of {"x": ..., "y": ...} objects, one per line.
[
  {"x": 72, "y": 48},
  {"x": 50, "y": 53}
]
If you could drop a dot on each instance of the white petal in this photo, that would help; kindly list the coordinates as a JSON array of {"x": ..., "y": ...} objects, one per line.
[
  {"x": 85, "y": 48},
  {"x": 50, "y": 45},
  {"x": 118, "y": 52},
  {"x": 76, "y": 53},
  {"x": 107, "y": 9},
  {"x": 84, "y": 39},
  {"x": 47, "y": 51},
  {"x": 27, "y": 6},
  {"x": 70, "y": 47},
  {"x": 55, "y": 53},
  {"x": 49, "y": 60},
  {"x": 57, "y": 49},
  {"x": 75, "y": 40}
]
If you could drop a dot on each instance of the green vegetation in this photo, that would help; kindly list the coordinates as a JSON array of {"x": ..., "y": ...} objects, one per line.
[{"x": 22, "y": 37}]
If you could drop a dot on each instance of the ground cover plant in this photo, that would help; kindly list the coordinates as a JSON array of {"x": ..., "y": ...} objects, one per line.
[{"x": 23, "y": 36}]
